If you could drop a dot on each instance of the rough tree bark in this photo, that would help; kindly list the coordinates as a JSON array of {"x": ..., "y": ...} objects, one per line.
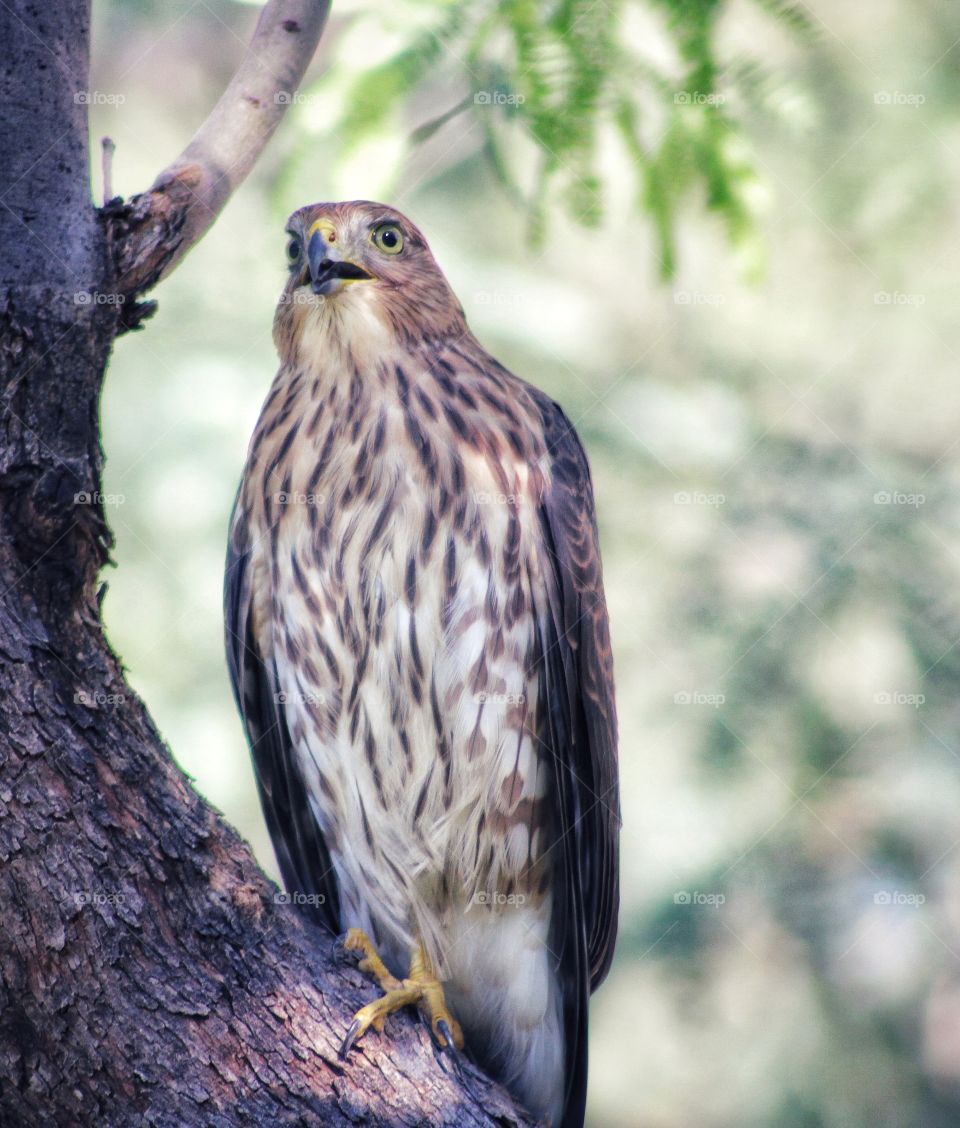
[{"x": 147, "y": 976}]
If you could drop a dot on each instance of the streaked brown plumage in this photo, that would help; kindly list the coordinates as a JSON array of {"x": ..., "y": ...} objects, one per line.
[{"x": 418, "y": 641}]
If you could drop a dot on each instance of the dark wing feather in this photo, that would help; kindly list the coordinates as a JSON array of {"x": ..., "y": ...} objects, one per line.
[
  {"x": 581, "y": 734},
  {"x": 301, "y": 851}
]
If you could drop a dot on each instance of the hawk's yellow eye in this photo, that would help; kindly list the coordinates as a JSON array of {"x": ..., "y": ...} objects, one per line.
[
  {"x": 294, "y": 248},
  {"x": 388, "y": 238}
]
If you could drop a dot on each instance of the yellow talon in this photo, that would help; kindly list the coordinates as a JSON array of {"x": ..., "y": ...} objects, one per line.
[
  {"x": 358, "y": 941},
  {"x": 420, "y": 987},
  {"x": 432, "y": 1001}
]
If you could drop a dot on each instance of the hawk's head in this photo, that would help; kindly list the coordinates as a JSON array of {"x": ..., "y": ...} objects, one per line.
[{"x": 357, "y": 270}]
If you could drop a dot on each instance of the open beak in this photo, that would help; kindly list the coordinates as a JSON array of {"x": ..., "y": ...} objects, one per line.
[{"x": 328, "y": 274}]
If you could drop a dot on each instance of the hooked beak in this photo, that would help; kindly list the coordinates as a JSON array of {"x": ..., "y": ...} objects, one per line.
[{"x": 327, "y": 274}]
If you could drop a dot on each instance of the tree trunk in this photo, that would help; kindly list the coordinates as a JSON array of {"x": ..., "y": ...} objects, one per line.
[{"x": 147, "y": 974}]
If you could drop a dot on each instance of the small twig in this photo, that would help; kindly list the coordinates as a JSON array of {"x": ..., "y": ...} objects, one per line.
[{"x": 107, "y": 149}]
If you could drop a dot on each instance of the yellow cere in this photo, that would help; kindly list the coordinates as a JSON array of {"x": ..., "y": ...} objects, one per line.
[{"x": 326, "y": 228}]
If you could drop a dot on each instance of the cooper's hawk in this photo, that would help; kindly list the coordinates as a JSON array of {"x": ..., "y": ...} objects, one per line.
[{"x": 418, "y": 643}]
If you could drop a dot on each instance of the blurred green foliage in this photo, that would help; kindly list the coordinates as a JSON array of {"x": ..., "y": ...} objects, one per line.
[{"x": 560, "y": 74}]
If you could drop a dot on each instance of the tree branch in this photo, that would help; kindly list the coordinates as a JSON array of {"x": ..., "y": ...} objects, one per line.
[
  {"x": 148, "y": 975},
  {"x": 154, "y": 230}
]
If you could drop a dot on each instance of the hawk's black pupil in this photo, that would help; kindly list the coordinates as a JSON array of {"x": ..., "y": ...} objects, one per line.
[
  {"x": 293, "y": 249},
  {"x": 389, "y": 238}
]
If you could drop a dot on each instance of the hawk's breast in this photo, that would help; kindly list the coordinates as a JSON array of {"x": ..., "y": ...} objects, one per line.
[{"x": 403, "y": 568}]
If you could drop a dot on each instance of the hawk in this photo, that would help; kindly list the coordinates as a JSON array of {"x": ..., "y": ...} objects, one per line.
[{"x": 418, "y": 643}]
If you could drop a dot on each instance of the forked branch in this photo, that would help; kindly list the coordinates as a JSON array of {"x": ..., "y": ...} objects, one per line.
[{"x": 153, "y": 230}]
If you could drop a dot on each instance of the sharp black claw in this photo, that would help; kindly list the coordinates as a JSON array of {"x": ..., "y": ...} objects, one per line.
[
  {"x": 350, "y": 1038},
  {"x": 460, "y": 1064},
  {"x": 444, "y": 1029}
]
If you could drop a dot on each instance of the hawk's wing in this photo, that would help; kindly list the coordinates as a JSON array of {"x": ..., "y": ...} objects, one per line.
[
  {"x": 301, "y": 851},
  {"x": 581, "y": 739}
]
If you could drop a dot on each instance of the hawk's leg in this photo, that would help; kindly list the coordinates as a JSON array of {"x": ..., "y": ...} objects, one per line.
[
  {"x": 421, "y": 987},
  {"x": 357, "y": 940}
]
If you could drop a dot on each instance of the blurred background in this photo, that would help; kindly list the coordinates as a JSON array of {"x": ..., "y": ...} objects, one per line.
[{"x": 724, "y": 236}]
